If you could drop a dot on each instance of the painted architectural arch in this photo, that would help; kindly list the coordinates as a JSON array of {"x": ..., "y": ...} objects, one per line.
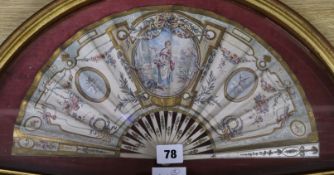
[{"x": 166, "y": 75}]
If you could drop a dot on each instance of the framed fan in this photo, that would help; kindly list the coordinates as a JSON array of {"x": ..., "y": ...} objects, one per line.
[{"x": 225, "y": 85}]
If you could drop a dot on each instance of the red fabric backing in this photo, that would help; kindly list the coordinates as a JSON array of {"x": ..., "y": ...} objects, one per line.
[{"x": 18, "y": 77}]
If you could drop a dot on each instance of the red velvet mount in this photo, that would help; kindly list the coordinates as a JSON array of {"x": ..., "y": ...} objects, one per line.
[{"x": 313, "y": 77}]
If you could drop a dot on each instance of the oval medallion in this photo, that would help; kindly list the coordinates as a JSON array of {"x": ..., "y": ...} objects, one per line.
[
  {"x": 298, "y": 128},
  {"x": 26, "y": 143},
  {"x": 33, "y": 123},
  {"x": 240, "y": 84},
  {"x": 92, "y": 84}
]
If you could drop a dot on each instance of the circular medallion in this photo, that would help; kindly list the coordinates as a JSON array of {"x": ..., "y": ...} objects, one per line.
[
  {"x": 92, "y": 84},
  {"x": 298, "y": 128},
  {"x": 26, "y": 143},
  {"x": 69, "y": 63},
  {"x": 232, "y": 125},
  {"x": 240, "y": 84},
  {"x": 210, "y": 34},
  {"x": 33, "y": 123},
  {"x": 99, "y": 124},
  {"x": 186, "y": 96},
  {"x": 122, "y": 34}
]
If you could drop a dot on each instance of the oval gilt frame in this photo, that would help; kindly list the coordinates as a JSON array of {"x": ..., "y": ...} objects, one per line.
[
  {"x": 228, "y": 80},
  {"x": 82, "y": 91}
]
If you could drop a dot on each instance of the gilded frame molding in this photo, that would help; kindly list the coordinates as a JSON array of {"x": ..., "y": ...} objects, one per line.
[
  {"x": 35, "y": 24},
  {"x": 275, "y": 10},
  {"x": 298, "y": 26}
]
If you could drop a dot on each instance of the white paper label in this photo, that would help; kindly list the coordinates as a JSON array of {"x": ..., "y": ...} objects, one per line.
[
  {"x": 167, "y": 154},
  {"x": 169, "y": 171}
]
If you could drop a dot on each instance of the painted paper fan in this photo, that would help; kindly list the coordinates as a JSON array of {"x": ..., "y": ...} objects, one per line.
[{"x": 166, "y": 75}]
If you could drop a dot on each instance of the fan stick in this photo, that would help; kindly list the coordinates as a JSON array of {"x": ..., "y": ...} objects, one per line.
[
  {"x": 198, "y": 150},
  {"x": 150, "y": 130},
  {"x": 143, "y": 132},
  {"x": 135, "y": 155},
  {"x": 156, "y": 127},
  {"x": 176, "y": 127},
  {"x": 137, "y": 150},
  {"x": 182, "y": 128},
  {"x": 188, "y": 132},
  {"x": 197, "y": 143},
  {"x": 199, "y": 156},
  {"x": 132, "y": 141},
  {"x": 140, "y": 138},
  {"x": 169, "y": 126},
  {"x": 163, "y": 126},
  {"x": 195, "y": 136}
]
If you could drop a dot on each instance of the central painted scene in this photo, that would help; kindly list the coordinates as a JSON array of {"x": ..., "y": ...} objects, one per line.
[{"x": 166, "y": 55}]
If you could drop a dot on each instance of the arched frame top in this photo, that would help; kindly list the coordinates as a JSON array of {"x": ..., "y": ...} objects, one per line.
[
  {"x": 17, "y": 41},
  {"x": 273, "y": 9}
]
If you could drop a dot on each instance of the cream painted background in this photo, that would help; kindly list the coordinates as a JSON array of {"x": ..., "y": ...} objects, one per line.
[{"x": 320, "y": 13}]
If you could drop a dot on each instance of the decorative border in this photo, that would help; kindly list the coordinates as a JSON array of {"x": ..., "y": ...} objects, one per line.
[{"x": 275, "y": 10}]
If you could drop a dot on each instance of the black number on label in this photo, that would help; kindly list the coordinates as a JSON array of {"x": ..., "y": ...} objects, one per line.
[{"x": 172, "y": 155}]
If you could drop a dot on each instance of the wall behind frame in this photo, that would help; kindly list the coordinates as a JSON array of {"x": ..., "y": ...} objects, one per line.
[
  {"x": 320, "y": 13},
  {"x": 15, "y": 12}
]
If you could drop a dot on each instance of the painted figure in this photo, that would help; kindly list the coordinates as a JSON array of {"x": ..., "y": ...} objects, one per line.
[{"x": 165, "y": 66}]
